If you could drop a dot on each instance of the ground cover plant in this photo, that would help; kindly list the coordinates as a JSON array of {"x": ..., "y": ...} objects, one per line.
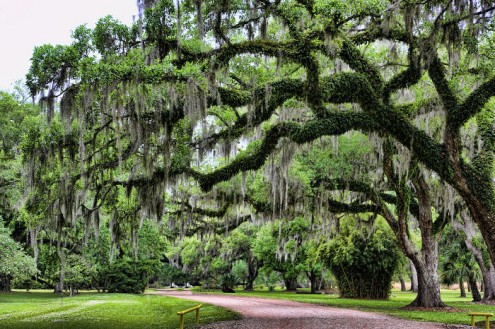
[
  {"x": 43, "y": 309},
  {"x": 395, "y": 306}
]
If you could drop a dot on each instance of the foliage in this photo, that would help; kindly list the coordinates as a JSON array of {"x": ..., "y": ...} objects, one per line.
[
  {"x": 129, "y": 276},
  {"x": 146, "y": 110},
  {"x": 363, "y": 263},
  {"x": 228, "y": 282},
  {"x": 14, "y": 262}
]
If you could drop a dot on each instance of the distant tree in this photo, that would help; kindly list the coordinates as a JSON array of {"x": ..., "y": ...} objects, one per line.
[{"x": 14, "y": 262}]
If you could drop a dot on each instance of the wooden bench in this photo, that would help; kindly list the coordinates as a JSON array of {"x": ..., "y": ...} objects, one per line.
[
  {"x": 181, "y": 314},
  {"x": 486, "y": 315}
]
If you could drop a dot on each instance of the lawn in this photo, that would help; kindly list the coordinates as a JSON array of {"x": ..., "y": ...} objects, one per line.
[
  {"x": 393, "y": 306},
  {"x": 43, "y": 309}
]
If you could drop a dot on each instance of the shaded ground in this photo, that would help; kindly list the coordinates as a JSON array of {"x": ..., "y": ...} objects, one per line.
[{"x": 263, "y": 313}]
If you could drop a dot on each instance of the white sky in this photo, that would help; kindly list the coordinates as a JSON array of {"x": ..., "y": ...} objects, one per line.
[{"x": 25, "y": 24}]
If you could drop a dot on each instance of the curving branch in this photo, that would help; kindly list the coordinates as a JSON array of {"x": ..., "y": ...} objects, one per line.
[
  {"x": 473, "y": 104},
  {"x": 337, "y": 123},
  {"x": 404, "y": 79},
  {"x": 355, "y": 59},
  {"x": 437, "y": 75},
  {"x": 352, "y": 208}
]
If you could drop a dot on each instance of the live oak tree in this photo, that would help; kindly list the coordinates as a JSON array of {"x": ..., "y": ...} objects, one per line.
[{"x": 145, "y": 107}]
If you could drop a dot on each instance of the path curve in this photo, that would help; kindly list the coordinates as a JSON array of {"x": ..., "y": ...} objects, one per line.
[{"x": 264, "y": 313}]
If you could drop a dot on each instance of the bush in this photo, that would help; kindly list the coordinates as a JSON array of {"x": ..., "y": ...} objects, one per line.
[
  {"x": 128, "y": 276},
  {"x": 363, "y": 266},
  {"x": 228, "y": 282}
]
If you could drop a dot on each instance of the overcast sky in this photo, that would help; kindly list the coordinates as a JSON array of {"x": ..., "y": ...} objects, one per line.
[{"x": 25, "y": 24}]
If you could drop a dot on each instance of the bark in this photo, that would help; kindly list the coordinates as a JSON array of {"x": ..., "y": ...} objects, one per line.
[
  {"x": 402, "y": 284},
  {"x": 428, "y": 283},
  {"x": 462, "y": 288},
  {"x": 414, "y": 277},
  {"x": 199, "y": 19},
  {"x": 253, "y": 267},
  {"x": 5, "y": 283},
  {"x": 59, "y": 287},
  {"x": 290, "y": 284},
  {"x": 479, "y": 198},
  {"x": 425, "y": 261},
  {"x": 313, "y": 279},
  {"x": 474, "y": 289}
]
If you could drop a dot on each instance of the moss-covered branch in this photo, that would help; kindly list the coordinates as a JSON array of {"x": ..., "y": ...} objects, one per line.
[
  {"x": 437, "y": 75},
  {"x": 353, "y": 57},
  {"x": 338, "y": 123},
  {"x": 404, "y": 79},
  {"x": 473, "y": 104},
  {"x": 351, "y": 208}
]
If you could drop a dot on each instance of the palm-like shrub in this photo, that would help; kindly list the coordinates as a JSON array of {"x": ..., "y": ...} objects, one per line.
[{"x": 228, "y": 282}]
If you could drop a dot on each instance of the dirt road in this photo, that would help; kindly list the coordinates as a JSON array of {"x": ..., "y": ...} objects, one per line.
[{"x": 263, "y": 313}]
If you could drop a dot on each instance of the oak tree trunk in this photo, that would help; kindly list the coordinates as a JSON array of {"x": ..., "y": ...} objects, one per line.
[
  {"x": 290, "y": 284},
  {"x": 414, "y": 277},
  {"x": 253, "y": 266},
  {"x": 402, "y": 284},
  {"x": 462, "y": 288},
  {"x": 474, "y": 289}
]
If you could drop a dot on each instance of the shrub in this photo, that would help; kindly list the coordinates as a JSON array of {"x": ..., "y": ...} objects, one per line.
[
  {"x": 128, "y": 276},
  {"x": 363, "y": 266},
  {"x": 228, "y": 282}
]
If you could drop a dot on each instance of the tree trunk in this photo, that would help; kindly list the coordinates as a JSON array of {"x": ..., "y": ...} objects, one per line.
[
  {"x": 428, "y": 285},
  {"x": 474, "y": 289},
  {"x": 59, "y": 288},
  {"x": 290, "y": 284},
  {"x": 481, "y": 208},
  {"x": 461, "y": 286},
  {"x": 488, "y": 273},
  {"x": 402, "y": 284},
  {"x": 426, "y": 262},
  {"x": 414, "y": 277},
  {"x": 5, "y": 281},
  {"x": 252, "y": 264},
  {"x": 313, "y": 278}
]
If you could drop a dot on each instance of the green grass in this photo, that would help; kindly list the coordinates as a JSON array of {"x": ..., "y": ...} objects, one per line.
[
  {"x": 393, "y": 306},
  {"x": 43, "y": 309}
]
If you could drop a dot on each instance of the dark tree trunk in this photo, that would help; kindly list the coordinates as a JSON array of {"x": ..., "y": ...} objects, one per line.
[
  {"x": 474, "y": 289},
  {"x": 58, "y": 289},
  {"x": 313, "y": 279},
  {"x": 461, "y": 287},
  {"x": 402, "y": 284},
  {"x": 5, "y": 283},
  {"x": 290, "y": 284},
  {"x": 253, "y": 267}
]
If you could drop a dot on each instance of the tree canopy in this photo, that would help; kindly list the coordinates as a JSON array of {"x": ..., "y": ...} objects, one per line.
[{"x": 200, "y": 110}]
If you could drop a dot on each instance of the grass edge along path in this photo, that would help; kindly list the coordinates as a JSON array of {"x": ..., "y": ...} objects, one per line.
[
  {"x": 43, "y": 309},
  {"x": 456, "y": 313}
]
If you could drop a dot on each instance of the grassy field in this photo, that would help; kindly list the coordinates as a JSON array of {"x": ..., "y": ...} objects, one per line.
[
  {"x": 43, "y": 309},
  {"x": 393, "y": 307}
]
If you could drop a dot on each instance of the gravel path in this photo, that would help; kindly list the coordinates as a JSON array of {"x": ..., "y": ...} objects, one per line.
[{"x": 263, "y": 313}]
